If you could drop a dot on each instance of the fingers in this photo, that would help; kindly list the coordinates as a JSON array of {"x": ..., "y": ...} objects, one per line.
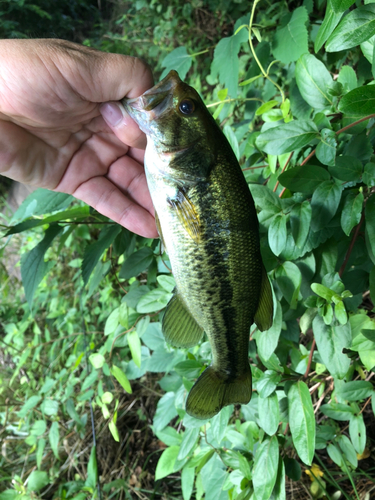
[{"x": 107, "y": 199}]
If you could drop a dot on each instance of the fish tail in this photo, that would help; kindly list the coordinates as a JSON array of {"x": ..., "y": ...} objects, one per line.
[{"x": 211, "y": 392}]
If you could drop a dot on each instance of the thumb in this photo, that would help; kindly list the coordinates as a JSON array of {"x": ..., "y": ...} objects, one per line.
[{"x": 122, "y": 125}]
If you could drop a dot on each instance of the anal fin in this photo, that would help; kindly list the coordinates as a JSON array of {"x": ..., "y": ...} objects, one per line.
[
  {"x": 264, "y": 315},
  {"x": 179, "y": 327}
]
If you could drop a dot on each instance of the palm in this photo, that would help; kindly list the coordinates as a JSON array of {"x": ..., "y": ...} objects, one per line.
[{"x": 52, "y": 134}]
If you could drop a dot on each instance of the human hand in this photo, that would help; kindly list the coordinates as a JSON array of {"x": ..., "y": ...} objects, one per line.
[{"x": 52, "y": 131}]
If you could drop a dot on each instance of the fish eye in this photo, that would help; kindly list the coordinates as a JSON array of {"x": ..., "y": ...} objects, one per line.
[{"x": 186, "y": 106}]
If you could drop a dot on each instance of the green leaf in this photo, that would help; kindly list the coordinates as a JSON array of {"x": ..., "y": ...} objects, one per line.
[
  {"x": 359, "y": 102},
  {"x": 313, "y": 81},
  {"x": 357, "y": 432},
  {"x": 267, "y": 341},
  {"x": 97, "y": 360},
  {"x": 136, "y": 263},
  {"x": 326, "y": 149},
  {"x": 302, "y": 421},
  {"x": 10, "y": 495},
  {"x": 265, "y": 468},
  {"x": 220, "y": 421},
  {"x": 38, "y": 428},
  {"x": 42, "y": 201},
  {"x": 346, "y": 168},
  {"x": 179, "y": 60},
  {"x": 330, "y": 22},
  {"x": 187, "y": 482},
  {"x": 355, "y": 390},
  {"x": 54, "y": 436},
  {"x": 188, "y": 442},
  {"x": 114, "y": 431},
  {"x": 37, "y": 480},
  {"x": 351, "y": 212},
  {"x": 265, "y": 198},
  {"x": 289, "y": 279},
  {"x": 30, "y": 403},
  {"x": 279, "y": 491},
  {"x": 268, "y": 383},
  {"x": 165, "y": 411},
  {"x": 335, "y": 454},
  {"x": 269, "y": 416},
  {"x": 167, "y": 282},
  {"x": 33, "y": 266},
  {"x": 290, "y": 42},
  {"x": 95, "y": 250},
  {"x": 356, "y": 27},
  {"x": 277, "y": 234},
  {"x": 153, "y": 301},
  {"x": 292, "y": 468},
  {"x": 304, "y": 179},
  {"x": 340, "y": 6},
  {"x": 121, "y": 378},
  {"x": 135, "y": 347},
  {"x": 347, "y": 449},
  {"x": 226, "y": 63},
  {"x": 232, "y": 139},
  {"x": 348, "y": 78},
  {"x": 92, "y": 470},
  {"x": 370, "y": 222},
  {"x": 39, "y": 452},
  {"x": 331, "y": 340},
  {"x": 166, "y": 462},
  {"x": 324, "y": 204},
  {"x": 287, "y": 137},
  {"x": 369, "y": 174},
  {"x": 300, "y": 219}
]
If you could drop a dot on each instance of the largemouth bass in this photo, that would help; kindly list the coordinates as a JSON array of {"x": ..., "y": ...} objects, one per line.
[{"x": 208, "y": 224}]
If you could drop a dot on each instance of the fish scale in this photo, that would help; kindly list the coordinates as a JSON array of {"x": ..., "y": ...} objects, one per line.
[{"x": 208, "y": 224}]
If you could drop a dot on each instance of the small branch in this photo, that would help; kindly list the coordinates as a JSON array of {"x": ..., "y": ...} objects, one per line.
[
  {"x": 355, "y": 123},
  {"x": 310, "y": 359},
  {"x": 284, "y": 167},
  {"x": 308, "y": 157}
]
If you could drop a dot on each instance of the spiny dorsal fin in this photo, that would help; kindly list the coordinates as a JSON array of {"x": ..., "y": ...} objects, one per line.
[
  {"x": 264, "y": 315},
  {"x": 179, "y": 327},
  {"x": 186, "y": 214}
]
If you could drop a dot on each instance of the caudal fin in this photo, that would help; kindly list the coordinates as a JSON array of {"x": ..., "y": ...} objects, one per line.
[{"x": 211, "y": 392}]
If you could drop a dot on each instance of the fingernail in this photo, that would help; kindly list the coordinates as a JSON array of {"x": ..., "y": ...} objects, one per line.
[{"x": 111, "y": 113}]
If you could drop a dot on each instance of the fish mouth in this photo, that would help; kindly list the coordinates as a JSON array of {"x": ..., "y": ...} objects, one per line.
[{"x": 155, "y": 101}]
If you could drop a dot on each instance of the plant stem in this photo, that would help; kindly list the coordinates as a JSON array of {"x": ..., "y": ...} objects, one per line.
[{"x": 264, "y": 73}]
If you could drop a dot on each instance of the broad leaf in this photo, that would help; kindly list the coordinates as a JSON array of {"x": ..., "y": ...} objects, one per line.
[
  {"x": 313, "y": 80},
  {"x": 370, "y": 222},
  {"x": 136, "y": 263},
  {"x": 304, "y": 179},
  {"x": 290, "y": 41},
  {"x": 277, "y": 234},
  {"x": 265, "y": 468},
  {"x": 326, "y": 149},
  {"x": 37, "y": 480},
  {"x": 302, "y": 421},
  {"x": 340, "y": 6},
  {"x": 351, "y": 212},
  {"x": 33, "y": 266},
  {"x": 355, "y": 390},
  {"x": 331, "y": 340},
  {"x": 269, "y": 416},
  {"x": 329, "y": 23},
  {"x": 300, "y": 219},
  {"x": 324, "y": 204},
  {"x": 166, "y": 462},
  {"x": 359, "y": 102},
  {"x": 346, "y": 168},
  {"x": 54, "y": 437},
  {"x": 226, "y": 64},
  {"x": 179, "y": 60},
  {"x": 357, "y": 432},
  {"x": 355, "y": 28},
  {"x": 287, "y": 137},
  {"x": 95, "y": 250},
  {"x": 42, "y": 201}
]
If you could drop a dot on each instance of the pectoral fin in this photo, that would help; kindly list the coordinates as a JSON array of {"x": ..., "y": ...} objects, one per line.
[
  {"x": 264, "y": 315},
  {"x": 187, "y": 214},
  {"x": 179, "y": 327}
]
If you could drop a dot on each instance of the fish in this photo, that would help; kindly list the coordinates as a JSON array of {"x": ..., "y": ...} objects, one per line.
[{"x": 207, "y": 223}]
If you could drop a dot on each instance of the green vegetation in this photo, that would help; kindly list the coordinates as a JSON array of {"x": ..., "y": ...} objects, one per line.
[{"x": 91, "y": 396}]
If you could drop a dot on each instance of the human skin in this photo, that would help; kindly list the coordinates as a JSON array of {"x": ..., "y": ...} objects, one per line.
[{"x": 62, "y": 129}]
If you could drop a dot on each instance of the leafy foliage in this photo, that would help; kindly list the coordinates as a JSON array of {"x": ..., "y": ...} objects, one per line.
[{"x": 297, "y": 106}]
